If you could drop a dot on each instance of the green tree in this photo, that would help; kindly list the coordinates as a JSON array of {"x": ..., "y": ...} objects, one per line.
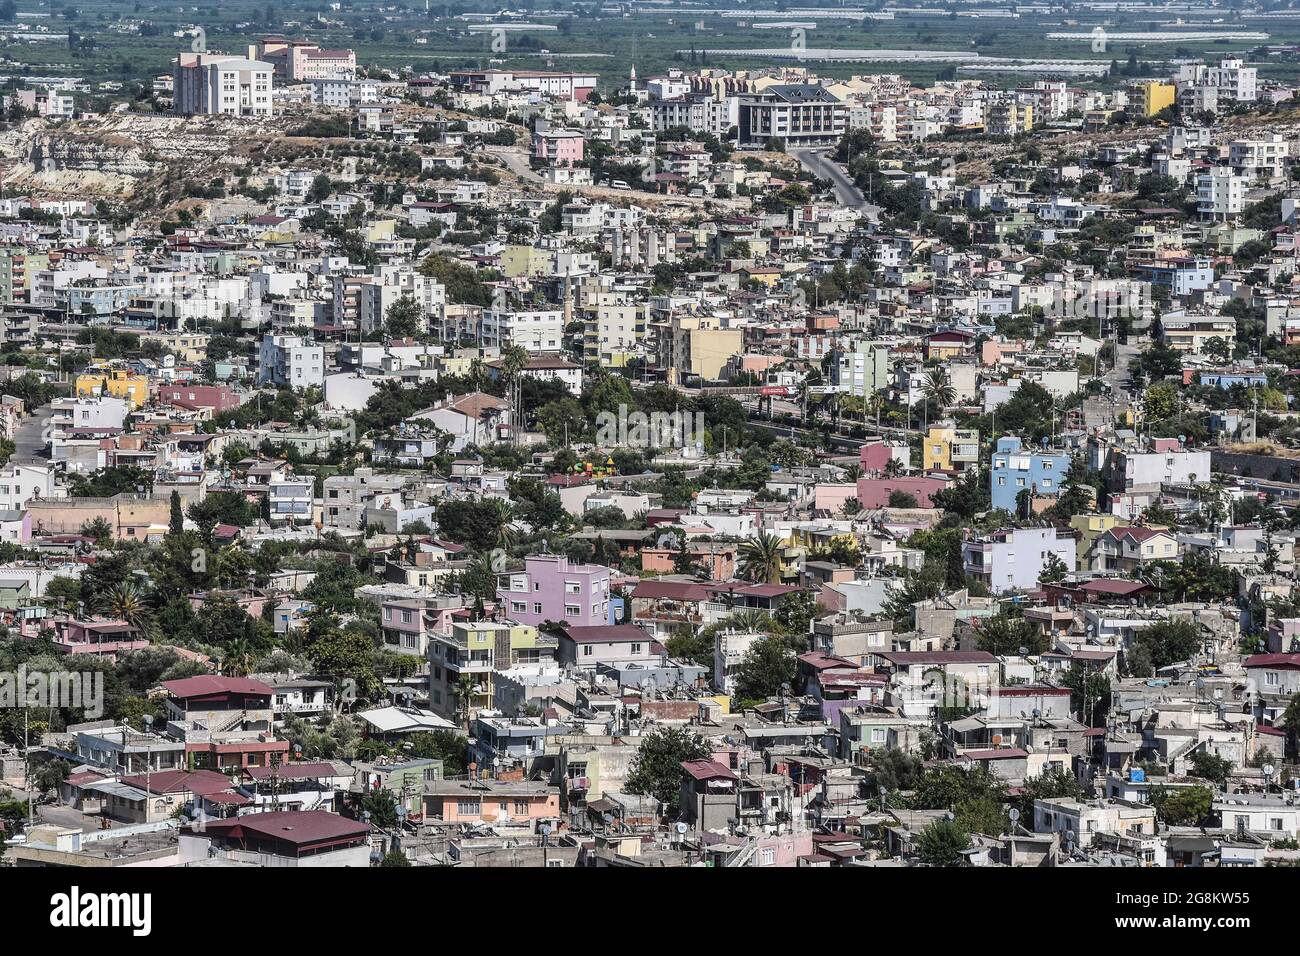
[
  {"x": 1162, "y": 644},
  {"x": 942, "y": 844},
  {"x": 177, "y": 522},
  {"x": 473, "y": 522},
  {"x": 1089, "y": 692},
  {"x": 127, "y": 602},
  {"x": 656, "y": 769},
  {"x": 50, "y": 774},
  {"x": 1047, "y": 786},
  {"x": 984, "y": 815},
  {"x": 382, "y": 807},
  {"x": 1290, "y": 722},
  {"x": 404, "y": 318},
  {"x": 1182, "y": 807},
  {"x": 766, "y": 667},
  {"x": 1210, "y": 766},
  {"x": 1006, "y": 632},
  {"x": 445, "y": 745},
  {"x": 893, "y": 769},
  {"x": 760, "y": 558}
]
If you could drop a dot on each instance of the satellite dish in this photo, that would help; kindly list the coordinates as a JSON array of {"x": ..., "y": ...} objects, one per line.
[
  {"x": 1013, "y": 814},
  {"x": 682, "y": 827},
  {"x": 1268, "y": 769}
]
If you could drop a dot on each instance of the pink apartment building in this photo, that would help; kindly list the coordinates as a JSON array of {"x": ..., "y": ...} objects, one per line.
[{"x": 559, "y": 147}]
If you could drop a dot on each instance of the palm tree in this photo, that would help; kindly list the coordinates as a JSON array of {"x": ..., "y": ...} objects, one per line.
[
  {"x": 751, "y": 621},
  {"x": 513, "y": 360},
  {"x": 505, "y": 538},
  {"x": 463, "y": 692},
  {"x": 893, "y": 467},
  {"x": 853, "y": 472},
  {"x": 126, "y": 602},
  {"x": 760, "y": 558},
  {"x": 237, "y": 659},
  {"x": 937, "y": 388}
]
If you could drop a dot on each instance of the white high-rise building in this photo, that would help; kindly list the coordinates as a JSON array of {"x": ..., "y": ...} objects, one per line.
[
  {"x": 1220, "y": 193},
  {"x": 534, "y": 331},
  {"x": 1234, "y": 80},
  {"x": 290, "y": 360},
  {"x": 220, "y": 84}
]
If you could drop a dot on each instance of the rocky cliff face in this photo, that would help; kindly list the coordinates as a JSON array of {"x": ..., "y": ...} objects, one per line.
[{"x": 115, "y": 156}]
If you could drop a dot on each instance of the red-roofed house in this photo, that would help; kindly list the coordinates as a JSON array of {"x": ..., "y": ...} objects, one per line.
[
  {"x": 221, "y": 703},
  {"x": 285, "y": 838},
  {"x": 708, "y": 794},
  {"x": 1275, "y": 676},
  {"x": 585, "y": 647},
  {"x": 224, "y": 721}
]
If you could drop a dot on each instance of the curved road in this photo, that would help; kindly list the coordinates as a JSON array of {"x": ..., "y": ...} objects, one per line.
[{"x": 846, "y": 191}]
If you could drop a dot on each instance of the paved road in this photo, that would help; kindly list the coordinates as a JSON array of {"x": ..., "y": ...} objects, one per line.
[
  {"x": 1124, "y": 354},
  {"x": 818, "y": 163},
  {"x": 28, "y": 442}
]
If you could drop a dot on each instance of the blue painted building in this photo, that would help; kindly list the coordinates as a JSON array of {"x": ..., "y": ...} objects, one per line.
[
  {"x": 1226, "y": 378},
  {"x": 1016, "y": 469}
]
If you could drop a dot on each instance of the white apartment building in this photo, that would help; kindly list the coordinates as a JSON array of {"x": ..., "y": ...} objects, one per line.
[
  {"x": 533, "y": 331},
  {"x": 290, "y": 360},
  {"x": 1220, "y": 194},
  {"x": 341, "y": 92},
  {"x": 1234, "y": 80},
  {"x": 19, "y": 484},
  {"x": 217, "y": 83},
  {"x": 1259, "y": 159}
]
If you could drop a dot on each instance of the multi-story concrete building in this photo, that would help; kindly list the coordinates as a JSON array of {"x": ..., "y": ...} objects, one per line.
[
  {"x": 551, "y": 588},
  {"x": 479, "y": 650},
  {"x": 1220, "y": 194},
  {"x": 535, "y": 330},
  {"x": 947, "y": 448},
  {"x": 288, "y": 360},
  {"x": 1013, "y": 559},
  {"x": 346, "y": 496},
  {"x": 1016, "y": 469},
  {"x": 1191, "y": 332},
  {"x": 861, "y": 371},
  {"x": 796, "y": 115},
  {"x": 1166, "y": 463},
  {"x": 217, "y": 83},
  {"x": 694, "y": 345},
  {"x": 1259, "y": 159}
]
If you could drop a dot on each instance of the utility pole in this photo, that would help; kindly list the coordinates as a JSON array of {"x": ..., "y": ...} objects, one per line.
[{"x": 27, "y": 770}]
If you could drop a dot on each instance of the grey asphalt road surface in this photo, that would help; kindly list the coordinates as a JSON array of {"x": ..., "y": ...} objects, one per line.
[
  {"x": 28, "y": 443},
  {"x": 821, "y": 166}
]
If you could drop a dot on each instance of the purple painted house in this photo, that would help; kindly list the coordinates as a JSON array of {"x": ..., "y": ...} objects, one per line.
[
  {"x": 551, "y": 588},
  {"x": 875, "y": 492}
]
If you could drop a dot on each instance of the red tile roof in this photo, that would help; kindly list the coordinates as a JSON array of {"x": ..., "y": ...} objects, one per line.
[
  {"x": 204, "y": 686},
  {"x": 707, "y": 770},
  {"x": 1283, "y": 661},
  {"x": 299, "y": 828},
  {"x": 606, "y": 633},
  {"x": 939, "y": 657}
]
